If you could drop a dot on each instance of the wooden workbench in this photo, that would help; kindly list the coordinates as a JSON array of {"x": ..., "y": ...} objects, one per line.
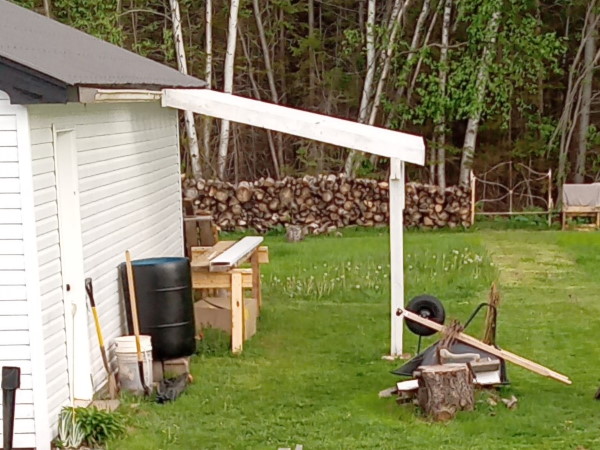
[{"x": 219, "y": 267}]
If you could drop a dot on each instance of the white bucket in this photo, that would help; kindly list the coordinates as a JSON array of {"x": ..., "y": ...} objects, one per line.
[{"x": 129, "y": 374}]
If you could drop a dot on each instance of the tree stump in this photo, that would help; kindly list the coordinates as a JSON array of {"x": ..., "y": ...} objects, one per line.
[
  {"x": 444, "y": 390},
  {"x": 294, "y": 233}
]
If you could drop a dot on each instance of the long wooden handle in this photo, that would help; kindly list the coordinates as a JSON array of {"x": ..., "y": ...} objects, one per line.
[
  {"x": 503, "y": 354},
  {"x": 133, "y": 303}
]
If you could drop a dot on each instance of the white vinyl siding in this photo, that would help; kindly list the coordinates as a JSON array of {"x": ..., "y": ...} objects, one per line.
[
  {"x": 129, "y": 184},
  {"x": 14, "y": 309}
]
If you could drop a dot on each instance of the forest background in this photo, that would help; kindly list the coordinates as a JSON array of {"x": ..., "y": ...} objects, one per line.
[{"x": 484, "y": 81}]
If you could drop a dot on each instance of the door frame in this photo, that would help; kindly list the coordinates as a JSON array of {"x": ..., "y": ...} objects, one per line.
[{"x": 71, "y": 260}]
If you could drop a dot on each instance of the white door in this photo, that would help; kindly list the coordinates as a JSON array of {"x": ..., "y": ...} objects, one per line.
[{"x": 71, "y": 256}]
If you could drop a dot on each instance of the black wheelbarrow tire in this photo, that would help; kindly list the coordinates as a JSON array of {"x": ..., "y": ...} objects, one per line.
[{"x": 429, "y": 307}]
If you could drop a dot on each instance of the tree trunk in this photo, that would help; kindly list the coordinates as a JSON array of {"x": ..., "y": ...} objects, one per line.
[
  {"x": 48, "y": 8},
  {"x": 270, "y": 76},
  {"x": 586, "y": 98},
  {"x": 440, "y": 127},
  {"x": 367, "y": 91},
  {"x": 257, "y": 96},
  {"x": 190, "y": 125},
  {"x": 228, "y": 85},
  {"x": 481, "y": 85},
  {"x": 444, "y": 390},
  {"x": 207, "y": 120}
]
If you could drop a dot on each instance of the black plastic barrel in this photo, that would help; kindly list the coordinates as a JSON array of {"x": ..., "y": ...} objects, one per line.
[{"x": 165, "y": 305}]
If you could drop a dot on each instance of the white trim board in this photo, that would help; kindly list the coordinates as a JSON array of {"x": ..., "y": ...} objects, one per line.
[
  {"x": 309, "y": 125},
  {"x": 40, "y": 409}
]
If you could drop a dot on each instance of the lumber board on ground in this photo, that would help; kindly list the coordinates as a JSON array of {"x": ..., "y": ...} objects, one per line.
[{"x": 506, "y": 355}]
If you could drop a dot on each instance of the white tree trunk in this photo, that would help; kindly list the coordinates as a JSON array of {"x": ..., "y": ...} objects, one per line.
[
  {"x": 481, "y": 85},
  {"x": 228, "y": 84},
  {"x": 586, "y": 98},
  {"x": 399, "y": 10},
  {"x": 208, "y": 78},
  {"x": 47, "y": 8},
  {"x": 440, "y": 127},
  {"x": 367, "y": 91},
  {"x": 190, "y": 125}
]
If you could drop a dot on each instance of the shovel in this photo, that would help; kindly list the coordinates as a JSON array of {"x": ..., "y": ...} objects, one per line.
[
  {"x": 134, "y": 320},
  {"x": 112, "y": 380}
]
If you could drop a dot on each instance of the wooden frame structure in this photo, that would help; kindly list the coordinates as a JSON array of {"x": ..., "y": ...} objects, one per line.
[
  {"x": 508, "y": 192},
  {"x": 399, "y": 147},
  {"x": 217, "y": 267},
  {"x": 580, "y": 211}
]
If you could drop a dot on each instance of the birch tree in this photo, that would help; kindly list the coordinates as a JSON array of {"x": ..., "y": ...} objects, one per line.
[
  {"x": 228, "y": 85},
  {"x": 385, "y": 63},
  {"x": 440, "y": 126},
  {"x": 481, "y": 86},
  {"x": 586, "y": 95},
  {"x": 207, "y": 77},
  {"x": 190, "y": 125},
  {"x": 367, "y": 90}
]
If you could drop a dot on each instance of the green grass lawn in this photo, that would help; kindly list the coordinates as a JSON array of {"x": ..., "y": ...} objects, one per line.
[{"x": 312, "y": 373}]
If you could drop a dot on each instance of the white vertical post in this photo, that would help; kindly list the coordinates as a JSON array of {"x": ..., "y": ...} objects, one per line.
[{"x": 396, "y": 252}]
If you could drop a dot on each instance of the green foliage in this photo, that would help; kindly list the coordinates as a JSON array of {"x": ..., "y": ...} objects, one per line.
[
  {"x": 99, "y": 426},
  {"x": 89, "y": 426},
  {"x": 70, "y": 432},
  {"x": 96, "y": 17}
]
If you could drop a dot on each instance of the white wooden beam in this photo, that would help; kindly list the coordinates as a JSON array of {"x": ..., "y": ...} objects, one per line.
[
  {"x": 309, "y": 125},
  {"x": 396, "y": 253}
]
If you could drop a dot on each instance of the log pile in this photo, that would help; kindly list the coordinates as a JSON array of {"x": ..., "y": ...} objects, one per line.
[{"x": 324, "y": 203}]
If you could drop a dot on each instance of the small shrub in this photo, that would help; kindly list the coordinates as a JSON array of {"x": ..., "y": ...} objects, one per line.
[
  {"x": 89, "y": 426},
  {"x": 70, "y": 432},
  {"x": 99, "y": 426}
]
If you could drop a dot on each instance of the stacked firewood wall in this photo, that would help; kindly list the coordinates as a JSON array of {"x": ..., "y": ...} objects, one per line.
[{"x": 324, "y": 203}]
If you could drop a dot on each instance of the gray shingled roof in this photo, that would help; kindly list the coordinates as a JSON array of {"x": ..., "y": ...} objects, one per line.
[{"x": 76, "y": 58}]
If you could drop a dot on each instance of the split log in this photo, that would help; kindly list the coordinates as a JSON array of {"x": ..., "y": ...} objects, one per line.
[{"x": 444, "y": 390}]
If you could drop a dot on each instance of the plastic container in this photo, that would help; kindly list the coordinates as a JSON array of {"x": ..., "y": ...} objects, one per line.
[
  {"x": 165, "y": 305},
  {"x": 129, "y": 373}
]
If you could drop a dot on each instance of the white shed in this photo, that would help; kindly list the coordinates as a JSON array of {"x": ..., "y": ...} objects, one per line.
[{"x": 89, "y": 167}]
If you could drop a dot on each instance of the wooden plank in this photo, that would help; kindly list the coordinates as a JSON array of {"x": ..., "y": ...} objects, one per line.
[
  {"x": 256, "y": 288},
  {"x": 331, "y": 130},
  {"x": 236, "y": 254},
  {"x": 506, "y": 355},
  {"x": 201, "y": 256},
  {"x": 219, "y": 280},
  {"x": 263, "y": 254},
  {"x": 237, "y": 312}
]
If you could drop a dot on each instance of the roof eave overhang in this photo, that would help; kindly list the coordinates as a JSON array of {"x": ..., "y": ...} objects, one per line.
[{"x": 26, "y": 86}]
